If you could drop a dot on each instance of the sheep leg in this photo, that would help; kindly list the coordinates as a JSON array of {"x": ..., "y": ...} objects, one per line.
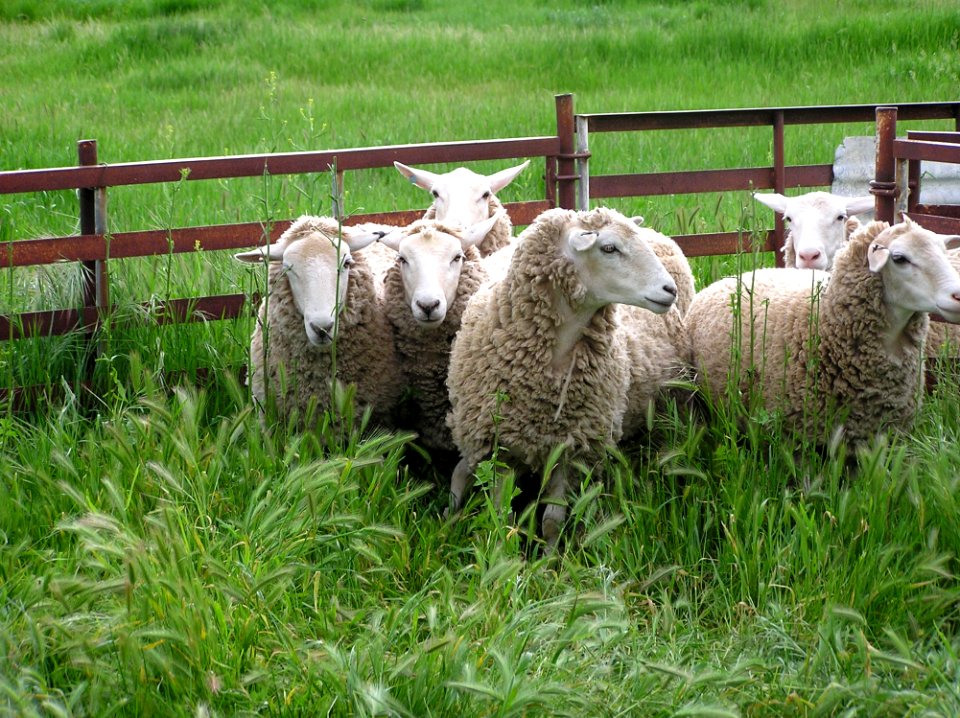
[
  {"x": 555, "y": 511},
  {"x": 460, "y": 482}
]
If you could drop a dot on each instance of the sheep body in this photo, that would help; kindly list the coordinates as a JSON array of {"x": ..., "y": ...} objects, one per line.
[
  {"x": 297, "y": 375},
  {"x": 864, "y": 357},
  {"x": 506, "y": 388}
]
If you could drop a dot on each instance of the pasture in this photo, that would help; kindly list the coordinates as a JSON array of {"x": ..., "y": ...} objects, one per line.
[{"x": 163, "y": 553}]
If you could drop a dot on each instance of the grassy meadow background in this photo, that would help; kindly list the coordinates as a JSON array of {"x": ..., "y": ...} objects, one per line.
[{"x": 163, "y": 553}]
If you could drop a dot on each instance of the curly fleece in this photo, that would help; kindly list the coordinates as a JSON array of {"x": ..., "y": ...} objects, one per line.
[
  {"x": 841, "y": 371},
  {"x": 502, "y": 386},
  {"x": 499, "y": 235},
  {"x": 298, "y": 374},
  {"x": 424, "y": 352}
]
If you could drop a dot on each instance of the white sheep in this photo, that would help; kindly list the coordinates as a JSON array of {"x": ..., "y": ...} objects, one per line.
[
  {"x": 434, "y": 270},
  {"x": 817, "y": 225},
  {"x": 943, "y": 340},
  {"x": 464, "y": 197},
  {"x": 820, "y": 346},
  {"x": 543, "y": 358},
  {"x": 321, "y": 292}
]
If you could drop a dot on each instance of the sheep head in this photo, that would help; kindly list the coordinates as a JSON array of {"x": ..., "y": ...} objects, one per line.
[
  {"x": 817, "y": 222},
  {"x": 917, "y": 273},
  {"x": 461, "y": 196},
  {"x": 431, "y": 255},
  {"x": 615, "y": 263},
  {"x": 316, "y": 265}
]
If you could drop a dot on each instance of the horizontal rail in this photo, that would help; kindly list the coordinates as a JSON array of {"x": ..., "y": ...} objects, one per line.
[
  {"x": 942, "y": 224},
  {"x": 61, "y": 321},
  {"x": 696, "y": 181},
  {"x": 125, "y": 245},
  {"x": 758, "y": 117},
  {"x": 710, "y": 244},
  {"x": 930, "y": 151},
  {"x": 929, "y": 136},
  {"x": 201, "y": 168}
]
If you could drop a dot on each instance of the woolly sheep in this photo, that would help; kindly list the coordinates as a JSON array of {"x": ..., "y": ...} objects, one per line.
[
  {"x": 435, "y": 269},
  {"x": 816, "y": 225},
  {"x": 321, "y": 291},
  {"x": 543, "y": 358},
  {"x": 465, "y": 197},
  {"x": 870, "y": 316}
]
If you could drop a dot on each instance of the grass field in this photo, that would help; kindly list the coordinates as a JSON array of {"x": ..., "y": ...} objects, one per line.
[{"x": 162, "y": 553}]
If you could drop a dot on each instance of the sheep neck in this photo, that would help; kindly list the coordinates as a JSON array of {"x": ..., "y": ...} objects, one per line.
[
  {"x": 571, "y": 324},
  {"x": 897, "y": 319}
]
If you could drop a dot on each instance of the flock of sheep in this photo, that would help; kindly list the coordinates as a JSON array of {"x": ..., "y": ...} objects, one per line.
[{"x": 565, "y": 335}]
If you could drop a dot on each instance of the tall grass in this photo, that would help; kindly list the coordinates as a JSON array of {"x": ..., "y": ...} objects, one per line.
[{"x": 165, "y": 552}]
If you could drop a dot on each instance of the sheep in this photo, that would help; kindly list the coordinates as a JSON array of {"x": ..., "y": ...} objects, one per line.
[
  {"x": 465, "y": 197},
  {"x": 817, "y": 224},
  {"x": 542, "y": 358},
  {"x": 321, "y": 291},
  {"x": 944, "y": 339},
  {"x": 435, "y": 269},
  {"x": 816, "y": 342}
]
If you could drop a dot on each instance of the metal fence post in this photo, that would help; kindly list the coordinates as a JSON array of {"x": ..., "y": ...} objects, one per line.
[
  {"x": 93, "y": 220},
  {"x": 779, "y": 185},
  {"x": 566, "y": 166},
  {"x": 583, "y": 160},
  {"x": 884, "y": 184}
]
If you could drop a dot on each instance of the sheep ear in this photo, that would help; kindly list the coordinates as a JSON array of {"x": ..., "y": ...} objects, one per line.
[
  {"x": 951, "y": 241},
  {"x": 363, "y": 235},
  {"x": 421, "y": 178},
  {"x": 581, "y": 240},
  {"x": 270, "y": 253},
  {"x": 392, "y": 239},
  {"x": 859, "y": 205},
  {"x": 877, "y": 256},
  {"x": 501, "y": 179},
  {"x": 475, "y": 233},
  {"x": 776, "y": 202},
  {"x": 638, "y": 220}
]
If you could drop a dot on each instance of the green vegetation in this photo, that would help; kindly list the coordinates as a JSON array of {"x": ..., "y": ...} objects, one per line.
[{"x": 162, "y": 552}]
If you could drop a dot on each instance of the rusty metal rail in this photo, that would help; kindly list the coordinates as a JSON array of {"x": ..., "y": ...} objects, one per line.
[
  {"x": 778, "y": 177},
  {"x": 568, "y": 183}
]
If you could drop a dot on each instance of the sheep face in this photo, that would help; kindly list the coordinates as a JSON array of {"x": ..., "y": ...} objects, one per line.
[
  {"x": 916, "y": 269},
  {"x": 461, "y": 196},
  {"x": 616, "y": 265},
  {"x": 317, "y": 268},
  {"x": 817, "y": 222},
  {"x": 431, "y": 256}
]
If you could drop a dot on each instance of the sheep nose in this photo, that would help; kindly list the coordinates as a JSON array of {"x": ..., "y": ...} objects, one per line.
[
  {"x": 321, "y": 330},
  {"x": 811, "y": 255},
  {"x": 428, "y": 307},
  {"x": 670, "y": 289}
]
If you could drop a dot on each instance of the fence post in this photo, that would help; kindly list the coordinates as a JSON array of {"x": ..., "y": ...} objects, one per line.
[
  {"x": 583, "y": 163},
  {"x": 566, "y": 166},
  {"x": 779, "y": 185},
  {"x": 93, "y": 220},
  {"x": 884, "y": 184}
]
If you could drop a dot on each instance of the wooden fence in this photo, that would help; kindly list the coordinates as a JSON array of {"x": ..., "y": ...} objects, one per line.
[{"x": 568, "y": 183}]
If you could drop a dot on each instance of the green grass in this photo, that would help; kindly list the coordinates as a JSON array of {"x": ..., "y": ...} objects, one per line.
[{"x": 162, "y": 552}]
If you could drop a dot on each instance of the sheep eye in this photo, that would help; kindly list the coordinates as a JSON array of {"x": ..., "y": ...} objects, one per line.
[
  {"x": 348, "y": 262},
  {"x": 457, "y": 258},
  {"x": 486, "y": 195},
  {"x": 403, "y": 260},
  {"x": 841, "y": 218},
  {"x": 787, "y": 218},
  {"x": 609, "y": 249},
  {"x": 898, "y": 258},
  {"x": 435, "y": 194}
]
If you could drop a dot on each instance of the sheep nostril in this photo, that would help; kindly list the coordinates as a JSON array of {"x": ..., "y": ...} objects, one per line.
[
  {"x": 321, "y": 330},
  {"x": 428, "y": 307},
  {"x": 810, "y": 256},
  {"x": 670, "y": 289}
]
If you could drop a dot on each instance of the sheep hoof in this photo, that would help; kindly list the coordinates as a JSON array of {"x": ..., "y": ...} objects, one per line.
[{"x": 552, "y": 522}]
